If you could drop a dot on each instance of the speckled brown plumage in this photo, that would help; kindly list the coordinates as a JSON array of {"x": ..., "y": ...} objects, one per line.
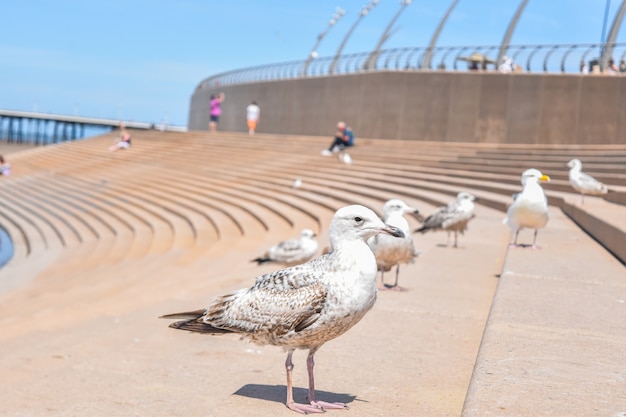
[{"x": 303, "y": 306}]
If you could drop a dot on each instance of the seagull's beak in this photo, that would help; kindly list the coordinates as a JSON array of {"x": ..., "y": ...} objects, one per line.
[
  {"x": 545, "y": 178},
  {"x": 392, "y": 230},
  {"x": 416, "y": 214}
]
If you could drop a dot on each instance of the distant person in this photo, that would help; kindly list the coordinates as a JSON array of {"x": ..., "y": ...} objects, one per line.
[
  {"x": 584, "y": 68},
  {"x": 507, "y": 65},
  {"x": 622, "y": 66},
  {"x": 5, "y": 167},
  {"x": 611, "y": 68},
  {"x": 253, "y": 112},
  {"x": 344, "y": 138},
  {"x": 124, "y": 142},
  {"x": 216, "y": 111}
]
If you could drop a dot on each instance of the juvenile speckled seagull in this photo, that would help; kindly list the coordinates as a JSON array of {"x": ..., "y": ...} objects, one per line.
[
  {"x": 292, "y": 251},
  {"x": 304, "y": 306},
  {"x": 391, "y": 251},
  {"x": 584, "y": 183},
  {"x": 530, "y": 207},
  {"x": 451, "y": 218}
]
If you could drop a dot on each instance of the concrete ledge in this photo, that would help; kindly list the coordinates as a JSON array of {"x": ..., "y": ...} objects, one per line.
[
  {"x": 554, "y": 341},
  {"x": 603, "y": 221}
]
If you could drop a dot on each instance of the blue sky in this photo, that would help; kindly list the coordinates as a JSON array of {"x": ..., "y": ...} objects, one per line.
[{"x": 141, "y": 60}]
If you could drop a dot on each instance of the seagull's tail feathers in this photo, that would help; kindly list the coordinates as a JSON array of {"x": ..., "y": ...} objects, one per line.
[
  {"x": 188, "y": 315},
  {"x": 192, "y": 322},
  {"x": 261, "y": 260},
  {"x": 422, "y": 229},
  {"x": 425, "y": 228}
]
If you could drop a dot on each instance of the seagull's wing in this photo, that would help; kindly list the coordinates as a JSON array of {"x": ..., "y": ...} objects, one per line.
[
  {"x": 437, "y": 219},
  {"x": 287, "y": 248},
  {"x": 290, "y": 299},
  {"x": 455, "y": 215},
  {"x": 282, "y": 252},
  {"x": 587, "y": 182}
]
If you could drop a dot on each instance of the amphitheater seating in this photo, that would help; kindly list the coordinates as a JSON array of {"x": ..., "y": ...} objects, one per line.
[{"x": 107, "y": 237}]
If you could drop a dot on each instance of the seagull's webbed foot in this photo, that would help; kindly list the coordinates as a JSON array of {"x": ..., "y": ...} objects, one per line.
[
  {"x": 304, "y": 408},
  {"x": 330, "y": 406},
  {"x": 395, "y": 287}
]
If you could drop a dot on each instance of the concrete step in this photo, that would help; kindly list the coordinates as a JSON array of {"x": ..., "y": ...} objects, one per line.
[{"x": 555, "y": 335}]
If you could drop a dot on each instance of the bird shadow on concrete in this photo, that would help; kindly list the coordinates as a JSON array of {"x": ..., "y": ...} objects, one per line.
[{"x": 278, "y": 393}]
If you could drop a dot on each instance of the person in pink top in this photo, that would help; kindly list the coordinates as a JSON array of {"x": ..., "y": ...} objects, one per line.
[
  {"x": 216, "y": 111},
  {"x": 5, "y": 167}
]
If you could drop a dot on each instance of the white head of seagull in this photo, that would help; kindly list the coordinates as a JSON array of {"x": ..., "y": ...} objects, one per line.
[
  {"x": 465, "y": 200},
  {"x": 356, "y": 222},
  {"x": 304, "y": 306},
  {"x": 533, "y": 175},
  {"x": 575, "y": 164},
  {"x": 398, "y": 206},
  {"x": 307, "y": 233}
]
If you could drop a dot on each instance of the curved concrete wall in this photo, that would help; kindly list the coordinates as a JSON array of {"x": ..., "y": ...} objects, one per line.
[{"x": 437, "y": 106}]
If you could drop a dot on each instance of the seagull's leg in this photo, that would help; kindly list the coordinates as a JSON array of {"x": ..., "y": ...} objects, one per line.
[
  {"x": 395, "y": 286},
  {"x": 318, "y": 405},
  {"x": 514, "y": 244},
  {"x": 397, "y": 273},
  {"x": 535, "y": 240},
  {"x": 448, "y": 238},
  {"x": 383, "y": 286},
  {"x": 291, "y": 404},
  {"x": 455, "y": 239}
]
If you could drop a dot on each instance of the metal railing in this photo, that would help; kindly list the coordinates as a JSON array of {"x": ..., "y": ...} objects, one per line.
[{"x": 562, "y": 58}]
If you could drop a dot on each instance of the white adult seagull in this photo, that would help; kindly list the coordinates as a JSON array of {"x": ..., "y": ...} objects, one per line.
[
  {"x": 530, "y": 207},
  {"x": 584, "y": 183}
]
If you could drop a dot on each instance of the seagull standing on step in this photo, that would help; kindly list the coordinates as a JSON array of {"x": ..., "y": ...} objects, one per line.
[
  {"x": 291, "y": 251},
  {"x": 391, "y": 251},
  {"x": 297, "y": 183},
  {"x": 584, "y": 183},
  {"x": 530, "y": 207},
  {"x": 452, "y": 218},
  {"x": 345, "y": 157},
  {"x": 304, "y": 306}
]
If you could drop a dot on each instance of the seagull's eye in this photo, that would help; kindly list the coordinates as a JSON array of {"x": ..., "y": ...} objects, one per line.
[{"x": 358, "y": 219}]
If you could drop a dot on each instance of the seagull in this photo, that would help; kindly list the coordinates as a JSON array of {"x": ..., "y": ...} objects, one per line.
[
  {"x": 390, "y": 251},
  {"x": 530, "y": 207},
  {"x": 451, "y": 218},
  {"x": 297, "y": 183},
  {"x": 304, "y": 306},
  {"x": 584, "y": 183},
  {"x": 345, "y": 157},
  {"x": 292, "y": 251}
]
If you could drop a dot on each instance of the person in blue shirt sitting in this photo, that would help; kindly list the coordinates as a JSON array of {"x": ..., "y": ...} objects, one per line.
[{"x": 344, "y": 138}]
